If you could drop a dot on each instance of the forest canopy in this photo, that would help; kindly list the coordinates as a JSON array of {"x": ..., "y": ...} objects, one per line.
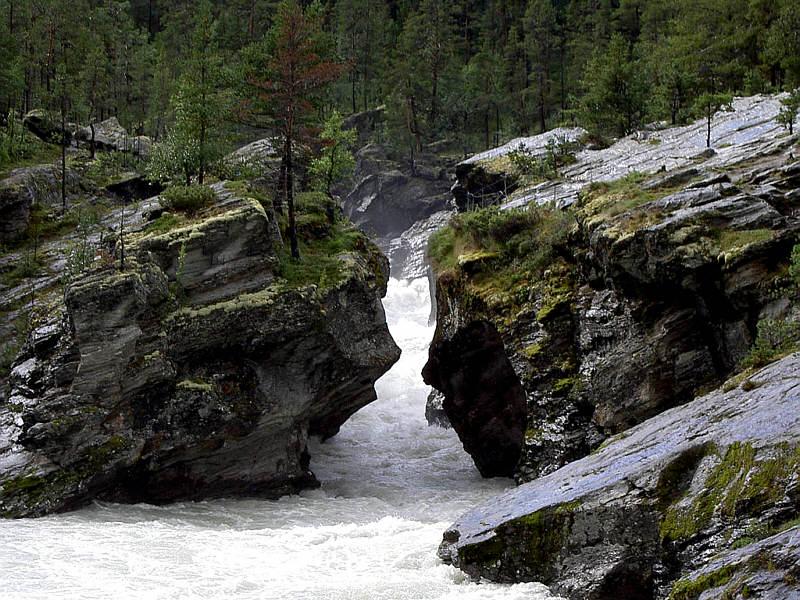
[{"x": 479, "y": 71}]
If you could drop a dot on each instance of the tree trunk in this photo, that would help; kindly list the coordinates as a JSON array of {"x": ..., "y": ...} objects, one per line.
[
  {"x": 251, "y": 23},
  {"x": 290, "y": 198},
  {"x": 542, "y": 107},
  {"x": 353, "y": 90},
  {"x": 708, "y": 131},
  {"x": 122, "y": 238},
  {"x": 486, "y": 140},
  {"x": 63, "y": 155},
  {"x": 92, "y": 143},
  {"x": 498, "y": 124},
  {"x": 331, "y": 208}
]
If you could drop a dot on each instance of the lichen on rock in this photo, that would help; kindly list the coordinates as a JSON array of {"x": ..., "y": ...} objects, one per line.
[{"x": 199, "y": 371}]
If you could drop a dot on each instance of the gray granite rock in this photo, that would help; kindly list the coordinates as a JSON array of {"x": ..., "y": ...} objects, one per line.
[{"x": 653, "y": 504}]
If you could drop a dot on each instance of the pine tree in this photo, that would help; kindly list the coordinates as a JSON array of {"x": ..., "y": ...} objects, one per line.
[
  {"x": 199, "y": 102},
  {"x": 288, "y": 84},
  {"x": 336, "y": 160},
  {"x": 708, "y": 105},
  {"x": 783, "y": 42},
  {"x": 540, "y": 39},
  {"x": 362, "y": 36},
  {"x": 790, "y": 106},
  {"x": 615, "y": 89}
]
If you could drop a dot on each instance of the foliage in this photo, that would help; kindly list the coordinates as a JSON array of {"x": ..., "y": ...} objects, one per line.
[
  {"x": 188, "y": 199},
  {"x": 709, "y": 104},
  {"x": 175, "y": 158},
  {"x": 481, "y": 71},
  {"x": 321, "y": 247},
  {"x": 558, "y": 153},
  {"x": 107, "y": 166},
  {"x": 166, "y": 222},
  {"x": 288, "y": 76},
  {"x": 336, "y": 160},
  {"x": 794, "y": 267},
  {"x": 790, "y": 107},
  {"x": 776, "y": 338},
  {"x": 19, "y": 148},
  {"x": 616, "y": 91},
  {"x": 526, "y": 238},
  {"x": 81, "y": 252}
]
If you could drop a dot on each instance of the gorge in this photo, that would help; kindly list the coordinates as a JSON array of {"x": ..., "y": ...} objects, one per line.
[{"x": 193, "y": 412}]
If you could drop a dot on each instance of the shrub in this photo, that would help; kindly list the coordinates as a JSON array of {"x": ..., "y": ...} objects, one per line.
[
  {"x": 794, "y": 267},
  {"x": 776, "y": 338},
  {"x": 187, "y": 199},
  {"x": 558, "y": 153},
  {"x": 527, "y": 238}
]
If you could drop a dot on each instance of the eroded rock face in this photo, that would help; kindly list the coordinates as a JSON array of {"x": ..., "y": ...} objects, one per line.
[
  {"x": 195, "y": 373},
  {"x": 655, "y": 503},
  {"x": 483, "y": 397},
  {"x": 644, "y": 306},
  {"x": 765, "y": 570}
]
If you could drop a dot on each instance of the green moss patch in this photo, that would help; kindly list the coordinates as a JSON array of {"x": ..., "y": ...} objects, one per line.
[
  {"x": 34, "y": 494},
  {"x": 741, "y": 485},
  {"x": 732, "y": 243},
  {"x": 691, "y": 589},
  {"x": 166, "y": 223}
]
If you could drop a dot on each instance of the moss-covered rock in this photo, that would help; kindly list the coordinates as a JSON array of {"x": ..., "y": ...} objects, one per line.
[
  {"x": 632, "y": 518},
  {"x": 199, "y": 371},
  {"x": 645, "y": 291}
]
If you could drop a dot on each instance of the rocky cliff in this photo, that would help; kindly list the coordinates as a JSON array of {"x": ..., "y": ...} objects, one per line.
[
  {"x": 199, "y": 370},
  {"x": 389, "y": 195},
  {"x": 595, "y": 318},
  {"x": 576, "y": 340}
]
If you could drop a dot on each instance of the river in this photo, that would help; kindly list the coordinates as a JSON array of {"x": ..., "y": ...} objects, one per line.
[{"x": 390, "y": 486}]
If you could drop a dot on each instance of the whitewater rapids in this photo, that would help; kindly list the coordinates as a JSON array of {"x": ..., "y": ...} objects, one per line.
[{"x": 390, "y": 486}]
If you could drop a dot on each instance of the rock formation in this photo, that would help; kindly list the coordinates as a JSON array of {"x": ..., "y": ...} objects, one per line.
[
  {"x": 656, "y": 503},
  {"x": 390, "y": 196},
  {"x": 198, "y": 371},
  {"x": 656, "y": 293},
  {"x": 27, "y": 186},
  {"x": 576, "y": 347}
]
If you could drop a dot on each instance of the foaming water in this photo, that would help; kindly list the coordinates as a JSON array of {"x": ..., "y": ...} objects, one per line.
[{"x": 390, "y": 486}]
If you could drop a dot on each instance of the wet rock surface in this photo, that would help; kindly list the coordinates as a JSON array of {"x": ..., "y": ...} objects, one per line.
[
  {"x": 389, "y": 196},
  {"x": 765, "y": 570},
  {"x": 654, "y": 504},
  {"x": 749, "y": 131},
  {"x": 194, "y": 373},
  {"x": 633, "y": 483}
]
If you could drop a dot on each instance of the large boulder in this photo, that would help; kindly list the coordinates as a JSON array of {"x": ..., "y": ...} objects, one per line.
[
  {"x": 657, "y": 503},
  {"x": 40, "y": 123},
  {"x": 197, "y": 372},
  {"x": 366, "y": 123},
  {"x": 110, "y": 135},
  {"x": 28, "y": 186}
]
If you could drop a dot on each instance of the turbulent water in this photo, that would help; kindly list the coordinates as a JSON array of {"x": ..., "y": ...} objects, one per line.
[{"x": 390, "y": 485}]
